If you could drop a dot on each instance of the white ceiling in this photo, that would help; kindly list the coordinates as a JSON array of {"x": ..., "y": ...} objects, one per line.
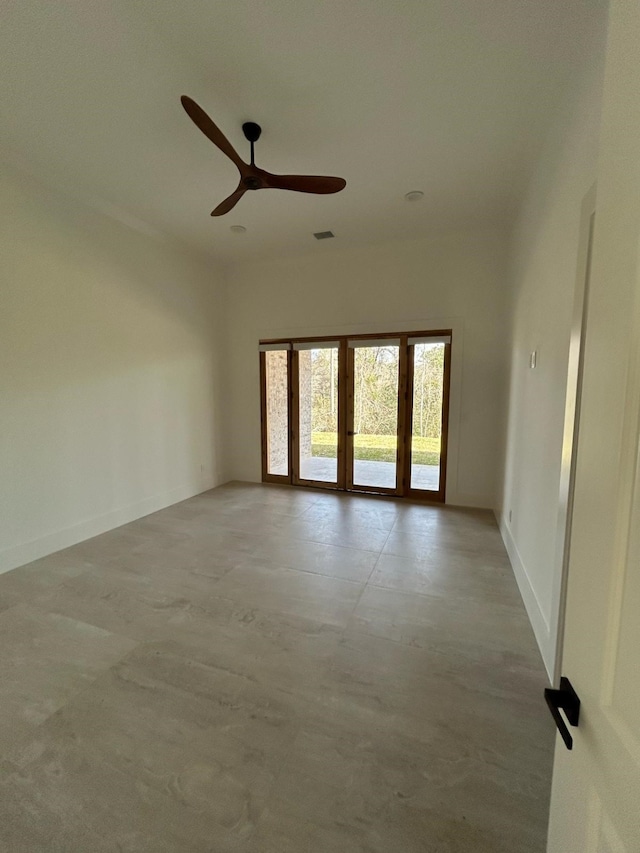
[{"x": 451, "y": 97}]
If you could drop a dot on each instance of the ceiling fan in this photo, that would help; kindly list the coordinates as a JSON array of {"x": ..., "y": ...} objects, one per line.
[{"x": 251, "y": 177}]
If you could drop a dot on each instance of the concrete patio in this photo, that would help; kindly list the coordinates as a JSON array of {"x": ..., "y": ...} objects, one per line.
[{"x": 368, "y": 473}]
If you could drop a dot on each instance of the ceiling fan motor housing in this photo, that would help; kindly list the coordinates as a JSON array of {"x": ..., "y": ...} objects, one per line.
[{"x": 251, "y": 131}]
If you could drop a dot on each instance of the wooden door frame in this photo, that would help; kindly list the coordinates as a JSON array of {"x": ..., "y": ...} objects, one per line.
[
  {"x": 439, "y": 495},
  {"x": 345, "y": 447},
  {"x": 294, "y": 444},
  {"x": 349, "y": 434},
  {"x": 342, "y": 414}
]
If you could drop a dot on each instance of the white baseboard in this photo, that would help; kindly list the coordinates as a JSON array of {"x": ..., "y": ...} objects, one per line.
[
  {"x": 539, "y": 623},
  {"x": 18, "y": 555}
]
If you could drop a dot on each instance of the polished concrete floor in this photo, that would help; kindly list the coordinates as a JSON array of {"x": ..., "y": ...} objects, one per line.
[{"x": 272, "y": 670}]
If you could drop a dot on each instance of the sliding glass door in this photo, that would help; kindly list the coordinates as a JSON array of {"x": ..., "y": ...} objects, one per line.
[
  {"x": 316, "y": 413},
  {"x": 364, "y": 414},
  {"x": 373, "y": 416},
  {"x": 427, "y": 395}
]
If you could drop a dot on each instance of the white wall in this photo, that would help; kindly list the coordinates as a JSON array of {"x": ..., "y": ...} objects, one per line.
[
  {"x": 542, "y": 279},
  {"x": 454, "y": 280},
  {"x": 109, "y": 388}
]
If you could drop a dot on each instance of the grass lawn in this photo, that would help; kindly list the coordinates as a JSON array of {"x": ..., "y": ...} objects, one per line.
[{"x": 378, "y": 448}]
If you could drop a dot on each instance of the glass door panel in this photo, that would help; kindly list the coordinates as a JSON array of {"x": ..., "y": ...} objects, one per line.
[
  {"x": 276, "y": 412},
  {"x": 366, "y": 414},
  {"x": 376, "y": 369},
  {"x": 318, "y": 412},
  {"x": 427, "y": 413}
]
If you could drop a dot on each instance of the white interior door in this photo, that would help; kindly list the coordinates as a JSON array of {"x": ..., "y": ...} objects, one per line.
[{"x": 595, "y": 804}]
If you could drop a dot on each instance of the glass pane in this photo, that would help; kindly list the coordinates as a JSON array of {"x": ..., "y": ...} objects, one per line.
[
  {"x": 277, "y": 398},
  {"x": 375, "y": 421},
  {"x": 426, "y": 433},
  {"x": 318, "y": 427}
]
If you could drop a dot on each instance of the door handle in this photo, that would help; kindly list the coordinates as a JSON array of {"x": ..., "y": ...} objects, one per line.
[
  {"x": 350, "y": 432},
  {"x": 567, "y": 699}
]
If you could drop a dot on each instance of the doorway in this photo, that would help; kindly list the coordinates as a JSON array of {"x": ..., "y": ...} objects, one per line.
[{"x": 359, "y": 414}]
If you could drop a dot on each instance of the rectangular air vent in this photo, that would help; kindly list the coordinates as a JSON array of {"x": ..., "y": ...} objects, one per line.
[{"x": 324, "y": 235}]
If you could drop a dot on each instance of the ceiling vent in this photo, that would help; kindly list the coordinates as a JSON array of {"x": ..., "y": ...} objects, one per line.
[{"x": 324, "y": 235}]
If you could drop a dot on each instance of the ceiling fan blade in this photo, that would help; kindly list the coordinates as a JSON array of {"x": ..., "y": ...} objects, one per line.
[
  {"x": 304, "y": 183},
  {"x": 211, "y": 130},
  {"x": 230, "y": 202}
]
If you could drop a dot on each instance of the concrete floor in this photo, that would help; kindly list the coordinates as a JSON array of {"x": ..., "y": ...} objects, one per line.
[
  {"x": 270, "y": 670},
  {"x": 369, "y": 473}
]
